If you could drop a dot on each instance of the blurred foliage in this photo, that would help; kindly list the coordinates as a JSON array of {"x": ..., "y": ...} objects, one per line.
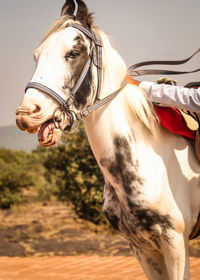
[
  {"x": 68, "y": 172},
  {"x": 13, "y": 176},
  {"x": 72, "y": 167},
  {"x": 18, "y": 172}
]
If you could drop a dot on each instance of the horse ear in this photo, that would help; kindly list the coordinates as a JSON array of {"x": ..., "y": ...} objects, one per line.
[
  {"x": 83, "y": 14},
  {"x": 68, "y": 8}
]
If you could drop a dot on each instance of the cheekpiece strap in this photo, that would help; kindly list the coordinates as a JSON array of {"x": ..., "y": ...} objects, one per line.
[{"x": 97, "y": 53}]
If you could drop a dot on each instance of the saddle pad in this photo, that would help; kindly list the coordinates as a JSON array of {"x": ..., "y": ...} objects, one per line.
[{"x": 171, "y": 119}]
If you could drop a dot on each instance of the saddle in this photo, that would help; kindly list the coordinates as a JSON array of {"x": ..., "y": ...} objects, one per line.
[
  {"x": 192, "y": 121},
  {"x": 182, "y": 122},
  {"x": 196, "y": 117}
]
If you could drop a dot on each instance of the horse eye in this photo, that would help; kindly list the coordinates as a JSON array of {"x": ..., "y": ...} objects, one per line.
[{"x": 72, "y": 54}]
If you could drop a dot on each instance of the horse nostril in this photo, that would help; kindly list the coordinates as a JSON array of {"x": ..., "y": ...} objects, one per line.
[
  {"x": 37, "y": 109},
  {"x": 21, "y": 124}
]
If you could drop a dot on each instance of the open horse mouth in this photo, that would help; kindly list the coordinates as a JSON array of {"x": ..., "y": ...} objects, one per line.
[
  {"x": 48, "y": 133},
  {"x": 49, "y": 129}
]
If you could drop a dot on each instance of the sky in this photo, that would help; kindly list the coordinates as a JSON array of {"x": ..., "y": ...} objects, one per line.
[{"x": 139, "y": 30}]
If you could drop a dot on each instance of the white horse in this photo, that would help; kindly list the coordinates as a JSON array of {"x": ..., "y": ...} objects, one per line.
[{"x": 152, "y": 178}]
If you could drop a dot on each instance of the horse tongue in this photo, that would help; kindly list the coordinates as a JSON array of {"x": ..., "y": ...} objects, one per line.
[{"x": 44, "y": 131}]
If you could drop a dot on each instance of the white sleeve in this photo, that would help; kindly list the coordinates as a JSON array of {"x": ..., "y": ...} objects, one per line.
[{"x": 173, "y": 96}]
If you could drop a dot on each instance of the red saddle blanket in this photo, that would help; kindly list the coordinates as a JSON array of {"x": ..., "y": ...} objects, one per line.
[{"x": 171, "y": 119}]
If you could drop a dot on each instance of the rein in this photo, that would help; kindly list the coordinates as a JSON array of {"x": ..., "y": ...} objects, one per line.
[{"x": 133, "y": 72}]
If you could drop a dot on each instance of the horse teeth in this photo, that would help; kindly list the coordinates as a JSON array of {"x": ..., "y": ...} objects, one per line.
[{"x": 49, "y": 139}]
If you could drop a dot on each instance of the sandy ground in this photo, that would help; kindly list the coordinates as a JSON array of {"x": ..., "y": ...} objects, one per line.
[{"x": 53, "y": 229}]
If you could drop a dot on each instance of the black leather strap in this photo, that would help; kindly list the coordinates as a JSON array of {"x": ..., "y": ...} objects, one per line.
[{"x": 133, "y": 72}]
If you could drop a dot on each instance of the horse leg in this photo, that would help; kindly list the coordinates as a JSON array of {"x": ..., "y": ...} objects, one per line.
[
  {"x": 176, "y": 256},
  {"x": 152, "y": 263}
]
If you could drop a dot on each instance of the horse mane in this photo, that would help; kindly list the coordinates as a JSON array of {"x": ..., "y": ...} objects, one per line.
[
  {"x": 139, "y": 107},
  {"x": 137, "y": 104}
]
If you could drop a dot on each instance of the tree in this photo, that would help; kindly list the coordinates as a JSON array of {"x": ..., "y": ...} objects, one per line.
[
  {"x": 13, "y": 176},
  {"x": 73, "y": 168},
  {"x": 18, "y": 171}
]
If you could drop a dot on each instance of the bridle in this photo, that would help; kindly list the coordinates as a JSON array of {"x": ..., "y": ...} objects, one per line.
[
  {"x": 95, "y": 57},
  {"x": 64, "y": 107}
]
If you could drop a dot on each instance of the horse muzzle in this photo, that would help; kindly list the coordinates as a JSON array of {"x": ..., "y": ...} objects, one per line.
[{"x": 25, "y": 121}]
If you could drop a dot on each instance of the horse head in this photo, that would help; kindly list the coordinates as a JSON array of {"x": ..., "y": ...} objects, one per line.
[{"x": 64, "y": 53}]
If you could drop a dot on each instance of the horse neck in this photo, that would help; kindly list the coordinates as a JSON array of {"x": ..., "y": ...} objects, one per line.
[
  {"x": 104, "y": 121},
  {"x": 112, "y": 120}
]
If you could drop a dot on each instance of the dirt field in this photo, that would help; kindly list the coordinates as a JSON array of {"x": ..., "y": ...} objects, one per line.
[{"x": 52, "y": 229}]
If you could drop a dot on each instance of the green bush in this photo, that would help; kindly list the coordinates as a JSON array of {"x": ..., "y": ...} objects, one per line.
[
  {"x": 69, "y": 172},
  {"x": 44, "y": 189},
  {"x": 13, "y": 176},
  {"x": 73, "y": 169},
  {"x": 18, "y": 171}
]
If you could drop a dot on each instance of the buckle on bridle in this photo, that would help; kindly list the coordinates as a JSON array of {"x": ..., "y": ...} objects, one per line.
[
  {"x": 74, "y": 123},
  {"x": 65, "y": 114},
  {"x": 83, "y": 114},
  {"x": 68, "y": 102}
]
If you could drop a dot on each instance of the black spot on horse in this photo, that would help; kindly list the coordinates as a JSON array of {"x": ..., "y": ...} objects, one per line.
[
  {"x": 145, "y": 219},
  {"x": 122, "y": 167},
  {"x": 84, "y": 91},
  {"x": 77, "y": 65},
  {"x": 129, "y": 213},
  {"x": 155, "y": 240},
  {"x": 154, "y": 265},
  {"x": 148, "y": 218},
  {"x": 111, "y": 206}
]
